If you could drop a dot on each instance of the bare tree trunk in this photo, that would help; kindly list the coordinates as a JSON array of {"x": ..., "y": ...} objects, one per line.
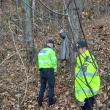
[
  {"x": 28, "y": 31},
  {"x": 74, "y": 30},
  {"x": 74, "y": 20}
]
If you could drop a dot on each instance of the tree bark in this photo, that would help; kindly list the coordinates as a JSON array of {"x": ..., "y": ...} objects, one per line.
[
  {"x": 33, "y": 9},
  {"x": 74, "y": 31},
  {"x": 28, "y": 39}
]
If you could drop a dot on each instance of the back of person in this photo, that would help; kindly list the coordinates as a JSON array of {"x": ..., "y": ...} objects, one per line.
[
  {"x": 87, "y": 80},
  {"x": 47, "y": 63},
  {"x": 90, "y": 72},
  {"x": 46, "y": 58}
]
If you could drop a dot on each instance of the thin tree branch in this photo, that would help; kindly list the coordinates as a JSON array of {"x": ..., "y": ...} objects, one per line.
[
  {"x": 61, "y": 14},
  {"x": 3, "y": 89},
  {"x": 8, "y": 57},
  {"x": 21, "y": 62}
]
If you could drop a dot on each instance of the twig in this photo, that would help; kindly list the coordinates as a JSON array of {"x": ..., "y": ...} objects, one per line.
[
  {"x": 8, "y": 57},
  {"x": 21, "y": 62},
  {"x": 53, "y": 11},
  {"x": 2, "y": 89}
]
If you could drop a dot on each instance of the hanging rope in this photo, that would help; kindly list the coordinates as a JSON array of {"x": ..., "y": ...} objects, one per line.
[
  {"x": 71, "y": 29},
  {"x": 83, "y": 31},
  {"x": 68, "y": 5},
  {"x": 89, "y": 52},
  {"x": 69, "y": 21},
  {"x": 87, "y": 84},
  {"x": 66, "y": 15},
  {"x": 51, "y": 9}
]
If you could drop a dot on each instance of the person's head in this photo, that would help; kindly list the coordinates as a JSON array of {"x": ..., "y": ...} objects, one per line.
[
  {"x": 81, "y": 46},
  {"x": 50, "y": 43}
]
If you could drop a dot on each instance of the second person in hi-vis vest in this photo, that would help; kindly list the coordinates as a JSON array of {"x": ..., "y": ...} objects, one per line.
[{"x": 87, "y": 79}]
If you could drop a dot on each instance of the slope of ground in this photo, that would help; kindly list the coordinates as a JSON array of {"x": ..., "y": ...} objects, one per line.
[{"x": 13, "y": 77}]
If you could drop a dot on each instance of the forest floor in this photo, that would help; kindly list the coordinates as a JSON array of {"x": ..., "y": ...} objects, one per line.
[{"x": 13, "y": 76}]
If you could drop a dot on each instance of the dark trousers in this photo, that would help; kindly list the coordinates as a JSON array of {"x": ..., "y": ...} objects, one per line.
[
  {"x": 88, "y": 104},
  {"x": 47, "y": 75}
]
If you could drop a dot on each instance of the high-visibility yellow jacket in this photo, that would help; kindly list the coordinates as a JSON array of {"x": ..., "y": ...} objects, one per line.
[
  {"x": 82, "y": 90},
  {"x": 47, "y": 59}
]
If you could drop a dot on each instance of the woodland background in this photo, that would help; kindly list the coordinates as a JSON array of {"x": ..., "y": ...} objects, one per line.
[{"x": 25, "y": 25}]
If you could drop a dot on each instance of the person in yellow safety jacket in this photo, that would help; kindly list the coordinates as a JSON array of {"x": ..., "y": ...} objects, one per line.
[
  {"x": 87, "y": 79},
  {"x": 47, "y": 63}
]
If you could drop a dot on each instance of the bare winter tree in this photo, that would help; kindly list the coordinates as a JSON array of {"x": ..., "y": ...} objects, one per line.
[
  {"x": 74, "y": 26},
  {"x": 28, "y": 39},
  {"x": 73, "y": 11},
  {"x": 75, "y": 7}
]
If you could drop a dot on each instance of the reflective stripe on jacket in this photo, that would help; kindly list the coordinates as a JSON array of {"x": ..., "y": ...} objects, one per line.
[
  {"x": 47, "y": 59},
  {"x": 82, "y": 91}
]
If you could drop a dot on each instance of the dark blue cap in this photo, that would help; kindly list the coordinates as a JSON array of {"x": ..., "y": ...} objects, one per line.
[{"x": 81, "y": 44}]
